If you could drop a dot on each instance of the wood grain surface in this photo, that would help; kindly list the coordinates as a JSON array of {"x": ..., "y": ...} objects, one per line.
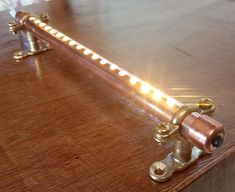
[{"x": 63, "y": 130}]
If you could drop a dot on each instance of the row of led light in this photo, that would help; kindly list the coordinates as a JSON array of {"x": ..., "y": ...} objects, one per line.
[{"x": 145, "y": 88}]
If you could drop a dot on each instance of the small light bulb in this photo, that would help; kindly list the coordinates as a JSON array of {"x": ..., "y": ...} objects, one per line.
[
  {"x": 103, "y": 61},
  {"x": 170, "y": 102},
  {"x": 145, "y": 88},
  {"x": 42, "y": 24},
  {"x": 113, "y": 67},
  {"x": 133, "y": 80},
  {"x": 122, "y": 73},
  {"x": 48, "y": 28},
  {"x": 37, "y": 21},
  {"x": 79, "y": 47},
  {"x": 59, "y": 35},
  {"x": 65, "y": 38},
  {"x": 52, "y": 31},
  {"x": 157, "y": 95},
  {"x": 95, "y": 56},
  {"x": 72, "y": 43},
  {"x": 87, "y": 52},
  {"x": 32, "y": 18}
]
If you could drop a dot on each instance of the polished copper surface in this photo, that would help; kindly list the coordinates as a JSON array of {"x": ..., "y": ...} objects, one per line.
[
  {"x": 199, "y": 130},
  {"x": 64, "y": 130}
]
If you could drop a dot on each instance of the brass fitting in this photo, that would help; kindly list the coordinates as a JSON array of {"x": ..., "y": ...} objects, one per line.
[
  {"x": 34, "y": 45},
  {"x": 184, "y": 153}
]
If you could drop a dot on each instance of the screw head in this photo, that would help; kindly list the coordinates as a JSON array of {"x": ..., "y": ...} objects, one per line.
[
  {"x": 206, "y": 103},
  {"x": 13, "y": 27},
  {"x": 163, "y": 128},
  {"x": 44, "y": 17}
]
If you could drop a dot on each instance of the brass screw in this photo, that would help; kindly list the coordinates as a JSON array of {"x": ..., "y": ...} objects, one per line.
[
  {"x": 206, "y": 106},
  {"x": 163, "y": 128},
  {"x": 206, "y": 103},
  {"x": 13, "y": 27},
  {"x": 44, "y": 17},
  {"x": 162, "y": 132}
]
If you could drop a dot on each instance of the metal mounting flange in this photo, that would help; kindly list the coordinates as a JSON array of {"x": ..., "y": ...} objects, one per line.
[
  {"x": 184, "y": 153},
  {"x": 34, "y": 45}
]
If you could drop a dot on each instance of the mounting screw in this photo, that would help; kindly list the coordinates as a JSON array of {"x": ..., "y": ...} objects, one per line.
[
  {"x": 44, "y": 17},
  {"x": 162, "y": 132},
  {"x": 163, "y": 128},
  {"x": 14, "y": 27},
  {"x": 206, "y": 103},
  {"x": 206, "y": 106}
]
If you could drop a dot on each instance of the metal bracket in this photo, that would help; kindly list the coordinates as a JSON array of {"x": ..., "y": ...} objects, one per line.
[
  {"x": 34, "y": 45},
  {"x": 184, "y": 153}
]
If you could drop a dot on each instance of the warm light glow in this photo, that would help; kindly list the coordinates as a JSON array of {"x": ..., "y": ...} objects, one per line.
[
  {"x": 95, "y": 56},
  {"x": 65, "y": 38},
  {"x": 87, "y": 52},
  {"x": 170, "y": 102},
  {"x": 133, "y": 80},
  {"x": 145, "y": 88},
  {"x": 59, "y": 35},
  {"x": 157, "y": 95},
  {"x": 32, "y": 18},
  {"x": 37, "y": 21},
  {"x": 113, "y": 67},
  {"x": 79, "y": 47},
  {"x": 42, "y": 24},
  {"x": 48, "y": 28},
  {"x": 72, "y": 42},
  {"x": 52, "y": 31},
  {"x": 122, "y": 73},
  {"x": 103, "y": 62}
]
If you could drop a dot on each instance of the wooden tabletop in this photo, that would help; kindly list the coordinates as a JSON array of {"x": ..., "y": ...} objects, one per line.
[{"x": 63, "y": 130}]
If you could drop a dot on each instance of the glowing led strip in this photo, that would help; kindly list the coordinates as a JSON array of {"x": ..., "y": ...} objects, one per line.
[{"x": 145, "y": 88}]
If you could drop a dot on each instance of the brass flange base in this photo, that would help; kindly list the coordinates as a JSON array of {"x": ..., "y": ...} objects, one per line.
[
  {"x": 25, "y": 53},
  {"x": 164, "y": 169},
  {"x": 35, "y": 45}
]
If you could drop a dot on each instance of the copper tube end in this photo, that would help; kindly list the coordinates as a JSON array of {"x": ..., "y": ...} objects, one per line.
[{"x": 203, "y": 132}]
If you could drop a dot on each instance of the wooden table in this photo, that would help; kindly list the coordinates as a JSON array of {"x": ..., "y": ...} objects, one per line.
[{"x": 63, "y": 130}]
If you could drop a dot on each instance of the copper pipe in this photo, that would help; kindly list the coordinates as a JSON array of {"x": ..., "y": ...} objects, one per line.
[{"x": 201, "y": 130}]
